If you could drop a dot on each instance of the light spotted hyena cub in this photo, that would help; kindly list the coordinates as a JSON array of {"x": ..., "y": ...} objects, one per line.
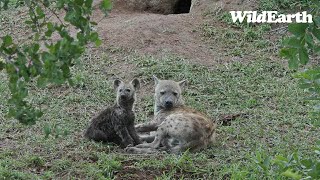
[
  {"x": 116, "y": 124},
  {"x": 177, "y": 127}
]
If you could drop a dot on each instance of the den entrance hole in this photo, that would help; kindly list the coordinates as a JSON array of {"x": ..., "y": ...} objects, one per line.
[{"x": 182, "y": 6}]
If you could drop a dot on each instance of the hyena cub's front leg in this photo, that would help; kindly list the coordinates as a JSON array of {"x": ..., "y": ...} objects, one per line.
[
  {"x": 135, "y": 150},
  {"x": 134, "y": 134},
  {"x": 154, "y": 146},
  {"x": 147, "y": 127},
  {"x": 124, "y": 135},
  {"x": 146, "y": 131}
]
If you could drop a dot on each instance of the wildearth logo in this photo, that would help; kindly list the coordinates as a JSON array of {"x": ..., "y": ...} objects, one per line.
[{"x": 270, "y": 17}]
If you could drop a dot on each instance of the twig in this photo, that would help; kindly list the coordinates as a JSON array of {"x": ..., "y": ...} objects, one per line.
[
  {"x": 279, "y": 29},
  {"x": 6, "y": 58},
  {"x": 53, "y": 12}
]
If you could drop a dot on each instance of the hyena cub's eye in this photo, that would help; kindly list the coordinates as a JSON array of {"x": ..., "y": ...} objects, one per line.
[
  {"x": 175, "y": 94},
  {"x": 128, "y": 90},
  {"x": 162, "y": 92}
]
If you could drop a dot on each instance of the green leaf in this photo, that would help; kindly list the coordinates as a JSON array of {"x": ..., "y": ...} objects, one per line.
[
  {"x": 40, "y": 12},
  {"x": 289, "y": 173},
  {"x": 293, "y": 62},
  {"x": 98, "y": 42},
  {"x": 28, "y": 22},
  {"x": 12, "y": 112},
  {"x": 309, "y": 40},
  {"x": 28, "y": 3},
  {"x": 281, "y": 158},
  {"x": 317, "y": 49},
  {"x": 284, "y": 52},
  {"x": 93, "y": 23},
  {"x": 266, "y": 162},
  {"x": 293, "y": 42},
  {"x": 316, "y": 33},
  {"x": 303, "y": 56},
  {"x": 298, "y": 29},
  {"x": 94, "y": 36},
  {"x": 41, "y": 82},
  {"x": 46, "y": 3},
  {"x": 317, "y": 21},
  {"x": 106, "y": 5},
  {"x": 71, "y": 15},
  {"x": 2, "y": 65},
  {"x": 88, "y": 3},
  {"x": 315, "y": 171},
  {"x": 79, "y": 2},
  {"x": 5, "y": 4},
  {"x": 307, "y": 163},
  {"x": 50, "y": 26},
  {"x": 288, "y": 53},
  {"x": 47, "y": 130},
  {"x": 306, "y": 85},
  {"x": 71, "y": 82},
  {"x": 7, "y": 41}
]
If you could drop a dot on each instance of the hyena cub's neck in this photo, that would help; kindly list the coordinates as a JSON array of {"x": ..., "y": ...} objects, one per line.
[{"x": 126, "y": 104}]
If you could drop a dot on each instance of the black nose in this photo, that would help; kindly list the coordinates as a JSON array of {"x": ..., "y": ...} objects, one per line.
[{"x": 169, "y": 104}]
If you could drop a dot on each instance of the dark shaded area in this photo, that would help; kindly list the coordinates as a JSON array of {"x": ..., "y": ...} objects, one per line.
[
  {"x": 182, "y": 6},
  {"x": 227, "y": 119}
]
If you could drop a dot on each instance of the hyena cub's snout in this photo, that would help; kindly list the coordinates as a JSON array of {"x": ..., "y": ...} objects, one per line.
[{"x": 124, "y": 94}]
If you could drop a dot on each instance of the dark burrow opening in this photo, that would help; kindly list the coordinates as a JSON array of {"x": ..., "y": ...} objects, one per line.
[{"x": 182, "y": 6}]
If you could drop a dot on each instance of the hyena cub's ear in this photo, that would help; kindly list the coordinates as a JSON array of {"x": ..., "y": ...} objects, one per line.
[
  {"x": 182, "y": 83},
  {"x": 116, "y": 83},
  {"x": 156, "y": 80},
  {"x": 136, "y": 84}
]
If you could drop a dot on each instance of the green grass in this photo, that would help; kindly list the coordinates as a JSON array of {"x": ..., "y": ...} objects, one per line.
[
  {"x": 276, "y": 120},
  {"x": 275, "y": 123},
  {"x": 283, "y": 5}
]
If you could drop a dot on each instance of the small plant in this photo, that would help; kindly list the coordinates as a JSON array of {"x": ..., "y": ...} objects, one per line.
[
  {"x": 61, "y": 165},
  {"x": 108, "y": 166},
  {"x": 55, "y": 130},
  {"x": 281, "y": 5},
  {"x": 36, "y": 161},
  {"x": 294, "y": 165}
]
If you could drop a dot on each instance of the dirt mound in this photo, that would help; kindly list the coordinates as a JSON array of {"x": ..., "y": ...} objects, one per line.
[{"x": 157, "y": 34}]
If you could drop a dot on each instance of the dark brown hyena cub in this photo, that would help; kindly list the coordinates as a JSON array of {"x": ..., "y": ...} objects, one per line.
[{"x": 116, "y": 124}]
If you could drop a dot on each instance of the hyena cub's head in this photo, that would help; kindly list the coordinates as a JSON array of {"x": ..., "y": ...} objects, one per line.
[
  {"x": 126, "y": 92},
  {"x": 168, "y": 93}
]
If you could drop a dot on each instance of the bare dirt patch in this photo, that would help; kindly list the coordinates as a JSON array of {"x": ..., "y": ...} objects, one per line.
[{"x": 157, "y": 34}]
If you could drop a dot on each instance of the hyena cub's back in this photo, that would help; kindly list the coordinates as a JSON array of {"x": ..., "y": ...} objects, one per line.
[
  {"x": 116, "y": 124},
  {"x": 174, "y": 121}
]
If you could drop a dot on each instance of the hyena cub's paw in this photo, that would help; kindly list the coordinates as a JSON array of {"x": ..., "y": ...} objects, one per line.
[
  {"x": 137, "y": 142},
  {"x": 130, "y": 149},
  {"x": 129, "y": 145},
  {"x": 139, "y": 127}
]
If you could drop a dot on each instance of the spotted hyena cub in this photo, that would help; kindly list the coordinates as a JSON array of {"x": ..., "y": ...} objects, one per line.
[
  {"x": 176, "y": 127},
  {"x": 116, "y": 124}
]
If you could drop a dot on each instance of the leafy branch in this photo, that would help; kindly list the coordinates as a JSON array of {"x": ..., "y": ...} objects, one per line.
[
  {"x": 46, "y": 61},
  {"x": 303, "y": 43}
]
